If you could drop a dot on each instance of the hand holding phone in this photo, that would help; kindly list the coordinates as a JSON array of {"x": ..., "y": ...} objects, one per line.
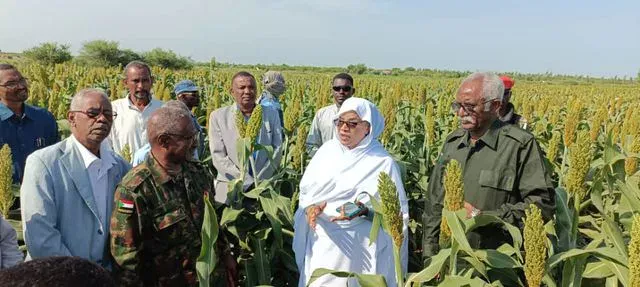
[{"x": 350, "y": 210}]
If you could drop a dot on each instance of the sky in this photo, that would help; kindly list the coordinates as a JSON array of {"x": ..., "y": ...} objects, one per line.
[{"x": 595, "y": 38}]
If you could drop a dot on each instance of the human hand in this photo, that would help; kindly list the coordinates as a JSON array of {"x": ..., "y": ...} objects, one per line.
[
  {"x": 343, "y": 216},
  {"x": 472, "y": 211},
  {"x": 312, "y": 213}
]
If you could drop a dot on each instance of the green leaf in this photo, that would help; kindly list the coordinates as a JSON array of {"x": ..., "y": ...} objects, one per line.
[
  {"x": 597, "y": 270},
  {"x": 430, "y": 272},
  {"x": 261, "y": 260},
  {"x": 375, "y": 228},
  {"x": 229, "y": 215},
  {"x": 364, "y": 280},
  {"x": 496, "y": 259},
  {"x": 458, "y": 281},
  {"x": 564, "y": 220},
  {"x": 206, "y": 262},
  {"x": 621, "y": 272},
  {"x": 457, "y": 231}
]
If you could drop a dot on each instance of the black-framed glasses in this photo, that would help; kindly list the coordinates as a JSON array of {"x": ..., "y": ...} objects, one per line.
[
  {"x": 14, "y": 84},
  {"x": 470, "y": 109},
  {"x": 351, "y": 124},
  {"x": 93, "y": 113},
  {"x": 343, "y": 88}
]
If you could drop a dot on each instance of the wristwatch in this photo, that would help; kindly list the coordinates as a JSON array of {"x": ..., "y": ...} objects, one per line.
[{"x": 475, "y": 212}]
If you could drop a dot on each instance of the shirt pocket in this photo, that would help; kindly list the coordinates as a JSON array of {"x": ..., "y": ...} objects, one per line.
[
  {"x": 170, "y": 229},
  {"x": 496, "y": 187}
]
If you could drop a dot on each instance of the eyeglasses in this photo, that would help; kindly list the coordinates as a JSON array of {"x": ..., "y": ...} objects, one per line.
[
  {"x": 93, "y": 113},
  {"x": 15, "y": 84},
  {"x": 350, "y": 124},
  {"x": 470, "y": 109},
  {"x": 344, "y": 88},
  {"x": 192, "y": 138}
]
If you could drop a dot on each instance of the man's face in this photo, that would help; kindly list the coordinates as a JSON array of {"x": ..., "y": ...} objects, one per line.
[
  {"x": 351, "y": 129},
  {"x": 139, "y": 82},
  {"x": 243, "y": 90},
  {"x": 180, "y": 146},
  {"x": 470, "y": 107},
  {"x": 13, "y": 87},
  {"x": 190, "y": 99},
  {"x": 92, "y": 121},
  {"x": 342, "y": 90}
]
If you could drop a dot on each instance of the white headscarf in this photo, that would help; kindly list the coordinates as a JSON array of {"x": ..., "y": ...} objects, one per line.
[{"x": 337, "y": 174}]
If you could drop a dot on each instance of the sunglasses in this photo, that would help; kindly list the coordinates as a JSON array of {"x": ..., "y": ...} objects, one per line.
[
  {"x": 92, "y": 114},
  {"x": 470, "y": 109},
  {"x": 192, "y": 138},
  {"x": 350, "y": 124},
  {"x": 344, "y": 88}
]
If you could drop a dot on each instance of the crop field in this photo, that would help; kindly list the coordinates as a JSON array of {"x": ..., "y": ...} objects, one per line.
[{"x": 589, "y": 130}]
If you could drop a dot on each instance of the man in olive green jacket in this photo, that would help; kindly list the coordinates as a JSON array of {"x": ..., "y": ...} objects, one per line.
[{"x": 503, "y": 168}]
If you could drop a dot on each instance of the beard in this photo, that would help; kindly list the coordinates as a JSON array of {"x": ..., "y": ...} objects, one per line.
[{"x": 142, "y": 95}]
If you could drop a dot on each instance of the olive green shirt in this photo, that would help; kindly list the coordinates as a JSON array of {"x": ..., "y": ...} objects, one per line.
[{"x": 503, "y": 172}]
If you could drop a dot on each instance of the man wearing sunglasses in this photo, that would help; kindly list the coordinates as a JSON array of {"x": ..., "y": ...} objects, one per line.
[
  {"x": 507, "y": 110},
  {"x": 503, "y": 167},
  {"x": 155, "y": 234},
  {"x": 322, "y": 128},
  {"x": 67, "y": 192},
  {"x": 23, "y": 127}
]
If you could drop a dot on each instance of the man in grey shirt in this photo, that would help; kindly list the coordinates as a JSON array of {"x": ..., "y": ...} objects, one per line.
[{"x": 322, "y": 128}]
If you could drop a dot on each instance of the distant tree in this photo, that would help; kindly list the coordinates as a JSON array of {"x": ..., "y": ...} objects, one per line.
[
  {"x": 357, "y": 69},
  {"x": 410, "y": 69},
  {"x": 101, "y": 53},
  {"x": 167, "y": 59},
  {"x": 49, "y": 53}
]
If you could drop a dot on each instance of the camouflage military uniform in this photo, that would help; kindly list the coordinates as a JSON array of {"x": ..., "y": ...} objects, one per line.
[
  {"x": 155, "y": 227},
  {"x": 503, "y": 172}
]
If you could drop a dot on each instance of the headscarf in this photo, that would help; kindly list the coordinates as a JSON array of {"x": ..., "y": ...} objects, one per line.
[
  {"x": 274, "y": 83},
  {"x": 337, "y": 174}
]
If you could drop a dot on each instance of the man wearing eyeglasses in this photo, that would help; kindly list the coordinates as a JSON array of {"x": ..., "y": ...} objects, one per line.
[
  {"x": 155, "y": 228},
  {"x": 23, "y": 127},
  {"x": 322, "y": 128},
  {"x": 130, "y": 127},
  {"x": 503, "y": 167},
  {"x": 67, "y": 192}
]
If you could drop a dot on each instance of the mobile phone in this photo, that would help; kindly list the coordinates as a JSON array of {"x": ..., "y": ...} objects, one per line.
[{"x": 350, "y": 209}]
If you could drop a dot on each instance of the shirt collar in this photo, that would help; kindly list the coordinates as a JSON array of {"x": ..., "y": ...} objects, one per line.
[
  {"x": 7, "y": 113},
  {"x": 132, "y": 106},
  {"x": 158, "y": 172},
  {"x": 507, "y": 117},
  {"x": 490, "y": 138},
  {"x": 88, "y": 157}
]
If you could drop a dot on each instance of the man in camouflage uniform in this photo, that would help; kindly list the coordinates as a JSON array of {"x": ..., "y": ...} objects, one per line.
[
  {"x": 507, "y": 110},
  {"x": 155, "y": 228},
  {"x": 503, "y": 168}
]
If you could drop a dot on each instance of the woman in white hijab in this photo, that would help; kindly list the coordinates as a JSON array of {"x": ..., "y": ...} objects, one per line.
[{"x": 346, "y": 169}]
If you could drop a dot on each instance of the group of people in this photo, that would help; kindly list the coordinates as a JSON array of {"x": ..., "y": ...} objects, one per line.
[{"x": 141, "y": 220}]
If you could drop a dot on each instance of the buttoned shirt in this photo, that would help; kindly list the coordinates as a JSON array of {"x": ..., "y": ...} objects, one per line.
[
  {"x": 97, "y": 168},
  {"x": 130, "y": 126},
  {"x": 502, "y": 173},
  {"x": 322, "y": 128},
  {"x": 35, "y": 129}
]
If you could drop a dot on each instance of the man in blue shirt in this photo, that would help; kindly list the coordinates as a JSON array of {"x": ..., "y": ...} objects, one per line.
[{"x": 23, "y": 127}]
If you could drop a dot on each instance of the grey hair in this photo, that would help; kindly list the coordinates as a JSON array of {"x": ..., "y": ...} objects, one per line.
[
  {"x": 136, "y": 64},
  {"x": 176, "y": 105},
  {"x": 76, "y": 101},
  {"x": 165, "y": 121},
  {"x": 492, "y": 86}
]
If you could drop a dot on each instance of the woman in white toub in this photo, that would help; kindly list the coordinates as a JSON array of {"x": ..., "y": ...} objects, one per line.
[{"x": 343, "y": 170}]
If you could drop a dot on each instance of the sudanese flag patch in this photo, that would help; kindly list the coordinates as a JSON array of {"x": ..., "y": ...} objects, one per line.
[{"x": 125, "y": 206}]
